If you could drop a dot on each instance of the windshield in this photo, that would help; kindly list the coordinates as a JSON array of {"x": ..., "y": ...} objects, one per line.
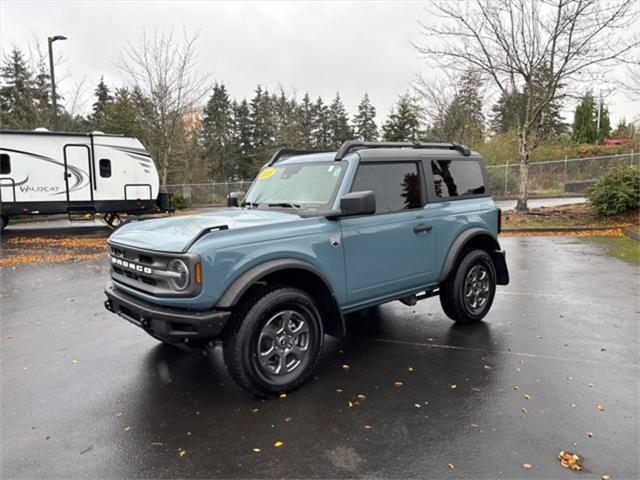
[{"x": 295, "y": 185}]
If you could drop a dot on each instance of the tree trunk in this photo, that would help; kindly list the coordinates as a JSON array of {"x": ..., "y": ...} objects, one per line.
[{"x": 521, "y": 205}]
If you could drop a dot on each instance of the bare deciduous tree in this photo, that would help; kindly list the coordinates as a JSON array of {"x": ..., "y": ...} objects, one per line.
[
  {"x": 509, "y": 41},
  {"x": 161, "y": 69}
]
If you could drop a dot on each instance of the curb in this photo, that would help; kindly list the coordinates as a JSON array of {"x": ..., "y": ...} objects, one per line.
[
  {"x": 561, "y": 229},
  {"x": 633, "y": 234}
]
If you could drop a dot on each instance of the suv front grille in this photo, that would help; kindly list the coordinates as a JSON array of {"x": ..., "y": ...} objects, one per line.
[{"x": 147, "y": 271}]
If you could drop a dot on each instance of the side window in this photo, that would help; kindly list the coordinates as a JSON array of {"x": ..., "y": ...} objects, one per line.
[
  {"x": 395, "y": 185},
  {"x": 105, "y": 167},
  {"x": 5, "y": 164},
  {"x": 457, "y": 178}
]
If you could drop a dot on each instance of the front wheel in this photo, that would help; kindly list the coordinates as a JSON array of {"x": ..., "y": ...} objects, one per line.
[
  {"x": 274, "y": 341},
  {"x": 467, "y": 293}
]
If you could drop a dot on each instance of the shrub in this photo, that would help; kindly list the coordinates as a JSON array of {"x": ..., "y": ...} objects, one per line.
[
  {"x": 617, "y": 191},
  {"x": 179, "y": 202}
]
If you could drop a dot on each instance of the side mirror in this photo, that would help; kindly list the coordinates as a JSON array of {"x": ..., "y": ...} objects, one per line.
[
  {"x": 232, "y": 200},
  {"x": 358, "y": 203}
]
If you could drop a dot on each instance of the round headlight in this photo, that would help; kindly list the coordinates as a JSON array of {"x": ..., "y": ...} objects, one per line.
[{"x": 182, "y": 281}]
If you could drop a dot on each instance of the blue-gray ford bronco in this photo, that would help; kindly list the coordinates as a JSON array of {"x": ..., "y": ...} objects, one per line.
[{"x": 317, "y": 236}]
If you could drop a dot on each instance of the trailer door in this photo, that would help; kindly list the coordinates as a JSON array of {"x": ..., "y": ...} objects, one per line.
[{"x": 77, "y": 173}]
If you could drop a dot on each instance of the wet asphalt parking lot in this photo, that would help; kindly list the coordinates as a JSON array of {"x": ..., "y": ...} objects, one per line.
[{"x": 554, "y": 367}]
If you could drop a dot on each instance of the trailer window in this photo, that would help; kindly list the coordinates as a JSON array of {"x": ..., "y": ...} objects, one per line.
[
  {"x": 105, "y": 167},
  {"x": 5, "y": 164}
]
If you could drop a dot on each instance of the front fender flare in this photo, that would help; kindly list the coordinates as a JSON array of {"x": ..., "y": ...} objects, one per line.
[{"x": 233, "y": 294}]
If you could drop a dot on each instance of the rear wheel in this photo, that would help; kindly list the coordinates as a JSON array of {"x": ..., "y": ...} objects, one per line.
[
  {"x": 275, "y": 340},
  {"x": 467, "y": 293}
]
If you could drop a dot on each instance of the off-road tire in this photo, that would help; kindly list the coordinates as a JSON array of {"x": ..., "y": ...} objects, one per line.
[
  {"x": 242, "y": 340},
  {"x": 453, "y": 296}
]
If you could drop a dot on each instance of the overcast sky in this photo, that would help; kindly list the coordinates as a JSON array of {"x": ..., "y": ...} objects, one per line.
[{"x": 322, "y": 48}]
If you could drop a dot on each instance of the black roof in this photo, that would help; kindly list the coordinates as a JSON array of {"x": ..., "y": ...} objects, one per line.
[{"x": 386, "y": 150}]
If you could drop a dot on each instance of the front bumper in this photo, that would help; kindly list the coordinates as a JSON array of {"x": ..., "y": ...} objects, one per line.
[{"x": 172, "y": 324}]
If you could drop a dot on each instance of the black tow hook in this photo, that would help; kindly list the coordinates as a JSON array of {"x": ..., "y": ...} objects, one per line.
[{"x": 109, "y": 305}]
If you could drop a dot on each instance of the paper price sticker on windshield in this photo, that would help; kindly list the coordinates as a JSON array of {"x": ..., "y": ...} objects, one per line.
[{"x": 266, "y": 173}]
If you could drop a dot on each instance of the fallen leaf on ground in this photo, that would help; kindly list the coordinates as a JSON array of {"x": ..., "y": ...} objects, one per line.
[
  {"x": 361, "y": 397},
  {"x": 11, "y": 337},
  {"x": 182, "y": 452},
  {"x": 410, "y": 369},
  {"x": 475, "y": 425},
  {"x": 119, "y": 414},
  {"x": 367, "y": 427},
  {"x": 345, "y": 367},
  {"x": 75, "y": 361},
  {"x": 488, "y": 367},
  {"x": 600, "y": 407},
  {"x": 451, "y": 466},
  {"x": 349, "y": 404},
  {"x": 606, "y": 477},
  {"x": 398, "y": 384},
  {"x": 288, "y": 419},
  {"x": 278, "y": 444},
  {"x": 527, "y": 396},
  {"x": 524, "y": 409},
  {"x": 516, "y": 387},
  {"x": 255, "y": 411},
  {"x": 590, "y": 434},
  {"x": 526, "y": 466},
  {"x": 338, "y": 390},
  {"x": 454, "y": 386},
  {"x": 573, "y": 405},
  {"x": 127, "y": 429},
  {"x": 257, "y": 450},
  {"x": 570, "y": 460},
  {"x": 283, "y": 395},
  {"x": 417, "y": 405}
]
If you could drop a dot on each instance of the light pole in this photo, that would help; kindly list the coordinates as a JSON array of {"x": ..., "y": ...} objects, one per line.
[{"x": 54, "y": 100}]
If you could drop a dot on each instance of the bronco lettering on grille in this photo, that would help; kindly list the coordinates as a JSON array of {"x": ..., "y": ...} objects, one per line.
[{"x": 131, "y": 266}]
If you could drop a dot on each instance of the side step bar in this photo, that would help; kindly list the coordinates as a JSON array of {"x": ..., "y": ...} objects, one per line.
[{"x": 411, "y": 300}]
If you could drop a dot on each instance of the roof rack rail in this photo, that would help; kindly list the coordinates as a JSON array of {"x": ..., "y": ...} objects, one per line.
[
  {"x": 351, "y": 145},
  {"x": 288, "y": 152}
]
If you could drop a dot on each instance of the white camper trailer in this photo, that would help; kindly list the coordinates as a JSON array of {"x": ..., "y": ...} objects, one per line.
[{"x": 44, "y": 172}]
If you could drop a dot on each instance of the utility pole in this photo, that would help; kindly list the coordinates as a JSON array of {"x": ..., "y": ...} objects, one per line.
[{"x": 54, "y": 100}]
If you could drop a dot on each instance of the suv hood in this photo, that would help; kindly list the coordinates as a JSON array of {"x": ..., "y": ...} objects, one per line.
[{"x": 173, "y": 234}]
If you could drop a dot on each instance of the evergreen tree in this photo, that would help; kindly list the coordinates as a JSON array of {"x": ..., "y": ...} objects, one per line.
[
  {"x": 18, "y": 106},
  {"x": 122, "y": 116},
  {"x": 287, "y": 122},
  {"x": 306, "y": 122},
  {"x": 403, "y": 122},
  {"x": 103, "y": 98},
  {"x": 584, "y": 124},
  {"x": 509, "y": 110},
  {"x": 364, "y": 124},
  {"x": 216, "y": 133},
  {"x": 262, "y": 125},
  {"x": 241, "y": 138},
  {"x": 320, "y": 132},
  {"x": 605, "y": 123},
  {"x": 462, "y": 120},
  {"x": 338, "y": 123}
]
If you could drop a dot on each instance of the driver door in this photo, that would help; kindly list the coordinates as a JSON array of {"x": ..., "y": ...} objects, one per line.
[{"x": 391, "y": 251}]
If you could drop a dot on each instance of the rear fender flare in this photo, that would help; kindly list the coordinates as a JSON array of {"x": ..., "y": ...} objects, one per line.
[{"x": 458, "y": 245}]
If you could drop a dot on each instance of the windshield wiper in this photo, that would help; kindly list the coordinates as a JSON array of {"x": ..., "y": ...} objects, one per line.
[{"x": 284, "y": 205}]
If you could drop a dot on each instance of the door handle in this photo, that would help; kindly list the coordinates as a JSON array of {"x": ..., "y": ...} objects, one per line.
[{"x": 422, "y": 227}]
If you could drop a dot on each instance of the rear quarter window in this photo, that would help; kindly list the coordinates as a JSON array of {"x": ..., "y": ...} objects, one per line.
[{"x": 457, "y": 178}]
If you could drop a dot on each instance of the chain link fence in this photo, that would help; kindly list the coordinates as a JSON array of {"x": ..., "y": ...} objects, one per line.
[
  {"x": 555, "y": 177},
  {"x": 550, "y": 178}
]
